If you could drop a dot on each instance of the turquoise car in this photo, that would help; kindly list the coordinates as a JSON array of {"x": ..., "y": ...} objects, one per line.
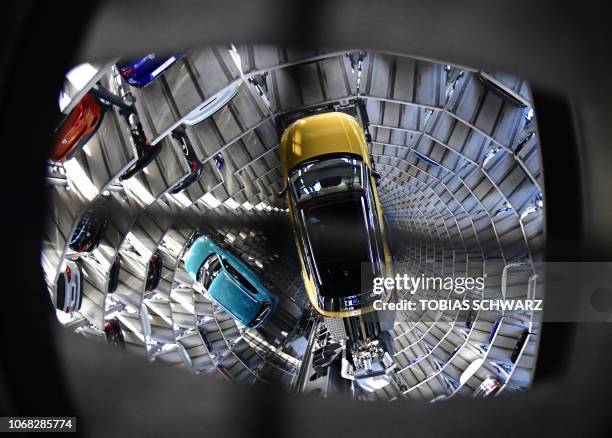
[{"x": 230, "y": 282}]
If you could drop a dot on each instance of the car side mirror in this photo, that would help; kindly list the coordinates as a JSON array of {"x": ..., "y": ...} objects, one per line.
[{"x": 377, "y": 176}]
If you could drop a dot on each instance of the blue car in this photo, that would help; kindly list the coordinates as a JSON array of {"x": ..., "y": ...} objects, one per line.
[
  {"x": 144, "y": 70},
  {"x": 230, "y": 282}
]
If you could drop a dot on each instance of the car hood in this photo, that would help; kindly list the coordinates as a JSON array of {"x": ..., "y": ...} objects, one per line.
[
  {"x": 200, "y": 249},
  {"x": 233, "y": 298},
  {"x": 212, "y": 104},
  {"x": 321, "y": 134}
]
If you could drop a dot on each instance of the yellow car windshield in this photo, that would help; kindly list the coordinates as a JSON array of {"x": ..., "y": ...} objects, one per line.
[{"x": 325, "y": 177}]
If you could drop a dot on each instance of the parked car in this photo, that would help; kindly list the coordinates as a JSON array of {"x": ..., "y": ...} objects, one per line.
[
  {"x": 154, "y": 270},
  {"x": 489, "y": 386},
  {"x": 194, "y": 162},
  {"x": 455, "y": 351},
  {"x": 230, "y": 282},
  {"x": 146, "y": 151},
  {"x": 113, "y": 275},
  {"x": 493, "y": 330},
  {"x": 471, "y": 316},
  {"x": 77, "y": 128},
  {"x": 224, "y": 372},
  {"x": 496, "y": 88},
  {"x": 145, "y": 70},
  {"x": 523, "y": 142},
  {"x": 114, "y": 333},
  {"x": 68, "y": 288},
  {"x": 335, "y": 212},
  {"x": 503, "y": 367},
  {"x": 424, "y": 158},
  {"x": 88, "y": 232},
  {"x": 516, "y": 351},
  {"x": 212, "y": 104},
  {"x": 219, "y": 161},
  {"x": 205, "y": 339}
]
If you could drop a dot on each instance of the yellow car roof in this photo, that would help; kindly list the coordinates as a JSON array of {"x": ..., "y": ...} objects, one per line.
[{"x": 326, "y": 133}]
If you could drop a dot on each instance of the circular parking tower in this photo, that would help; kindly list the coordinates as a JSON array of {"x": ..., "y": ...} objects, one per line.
[{"x": 263, "y": 216}]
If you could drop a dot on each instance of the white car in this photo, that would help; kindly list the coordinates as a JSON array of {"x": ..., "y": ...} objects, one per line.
[
  {"x": 489, "y": 386},
  {"x": 212, "y": 104},
  {"x": 68, "y": 296}
]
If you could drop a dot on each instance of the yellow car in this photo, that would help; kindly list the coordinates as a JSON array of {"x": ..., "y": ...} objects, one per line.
[{"x": 335, "y": 211}]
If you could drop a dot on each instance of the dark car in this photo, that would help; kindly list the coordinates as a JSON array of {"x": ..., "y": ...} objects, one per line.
[
  {"x": 114, "y": 333},
  {"x": 523, "y": 142},
  {"x": 519, "y": 345},
  {"x": 145, "y": 70},
  {"x": 77, "y": 128},
  {"x": 146, "y": 151},
  {"x": 113, "y": 275},
  {"x": 469, "y": 320},
  {"x": 154, "y": 271},
  {"x": 455, "y": 351},
  {"x": 88, "y": 232},
  {"x": 491, "y": 85},
  {"x": 205, "y": 339},
  {"x": 195, "y": 165},
  {"x": 219, "y": 161},
  {"x": 424, "y": 158},
  {"x": 493, "y": 331}
]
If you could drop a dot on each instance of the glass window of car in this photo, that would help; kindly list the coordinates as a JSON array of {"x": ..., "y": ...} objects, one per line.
[
  {"x": 209, "y": 270},
  {"x": 60, "y": 291},
  {"x": 81, "y": 231},
  {"x": 325, "y": 177},
  {"x": 239, "y": 277},
  {"x": 339, "y": 241},
  {"x": 375, "y": 223}
]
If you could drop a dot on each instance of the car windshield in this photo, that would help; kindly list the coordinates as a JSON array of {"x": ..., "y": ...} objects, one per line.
[
  {"x": 209, "y": 270},
  {"x": 339, "y": 241},
  {"x": 325, "y": 177},
  {"x": 239, "y": 277},
  {"x": 153, "y": 267},
  {"x": 83, "y": 229},
  {"x": 60, "y": 292}
]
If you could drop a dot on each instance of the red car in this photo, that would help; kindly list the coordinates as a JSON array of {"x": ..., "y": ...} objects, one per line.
[{"x": 77, "y": 128}]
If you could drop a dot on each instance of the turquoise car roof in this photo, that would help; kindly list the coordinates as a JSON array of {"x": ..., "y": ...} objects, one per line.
[{"x": 233, "y": 298}]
